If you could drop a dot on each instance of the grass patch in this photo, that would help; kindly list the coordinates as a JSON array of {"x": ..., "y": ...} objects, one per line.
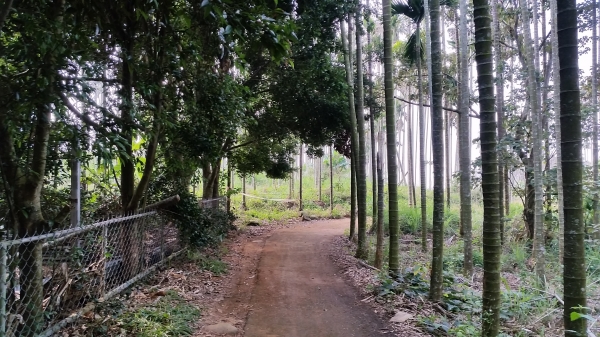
[
  {"x": 170, "y": 316},
  {"x": 210, "y": 263}
]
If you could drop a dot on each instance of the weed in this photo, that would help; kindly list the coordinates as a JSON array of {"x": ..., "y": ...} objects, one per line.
[
  {"x": 215, "y": 266},
  {"x": 463, "y": 329},
  {"x": 170, "y": 316},
  {"x": 212, "y": 264}
]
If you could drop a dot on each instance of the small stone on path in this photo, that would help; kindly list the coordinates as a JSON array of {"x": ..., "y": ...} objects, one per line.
[
  {"x": 400, "y": 317},
  {"x": 222, "y": 329}
]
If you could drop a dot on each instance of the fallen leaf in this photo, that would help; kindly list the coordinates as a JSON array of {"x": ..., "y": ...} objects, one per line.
[{"x": 400, "y": 317}]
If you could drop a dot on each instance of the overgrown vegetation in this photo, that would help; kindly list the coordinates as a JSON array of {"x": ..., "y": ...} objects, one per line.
[
  {"x": 167, "y": 316},
  {"x": 171, "y": 316}
]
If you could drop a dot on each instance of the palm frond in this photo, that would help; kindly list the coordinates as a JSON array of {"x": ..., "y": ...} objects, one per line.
[
  {"x": 410, "y": 49},
  {"x": 449, "y": 3},
  {"x": 412, "y": 9}
]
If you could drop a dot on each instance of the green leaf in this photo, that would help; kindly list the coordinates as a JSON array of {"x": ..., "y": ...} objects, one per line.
[{"x": 576, "y": 315}]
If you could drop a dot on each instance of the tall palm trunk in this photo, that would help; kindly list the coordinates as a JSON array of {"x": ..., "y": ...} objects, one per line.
[
  {"x": 411, "y": 164},
  {"x": 595, "y": 201},
  {"x": 574, "y": 273},
  {"x": 447, "y": 121},
  {"x": 447, "y": 174},
  {"x": 492, "y": 248},
  {"x": 331, "y": 179},
  {"x": 556, "y": 104},
  {"x": 374, "y": 170},
  {"x": 422, "y": 174},
  {"x": 394, "y": 263},
  {"x": 353, "y": 134},
  {"x": 379, "y": 245},
  {"x": 244, "y": 207},
  {"x": 300, "y": 173},
  {"x": 437, "y": 142},
  {"x": 546, "y": 116},
  {"x": 532, "y": 89},
  {"x": 320, "y": 178},
  {"x": 499, "y": 108},
  {"x": 465, "y": 143},
  {"x": 362, "y": 250}
]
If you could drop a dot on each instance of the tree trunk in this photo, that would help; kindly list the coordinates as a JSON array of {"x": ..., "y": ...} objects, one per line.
[
  {"x": 595, "y": 200},
  {"x": 126, "y": 157},
  {"x": 411, "y": 174},
  {"x": 300, "y": 164},
  {"x": 229, "y": 184},
  {"x": 545, "y": 125},
  {"x": 556, "y": 105},
  {"x": 380, "y": 238},
  {"x": 574, "y": 274},
  {"x": 492, "y": 248},
  {"x": 423, "y": 177},
  {"x": 447, "y": 119},
  {"x": 372, "y": 124},
  {"x": 447, "y": 175},
  {"x": 465, "y": 143},
  {"x": 437, "y": 143},
  {"x": 320, "y": 179},
  {"x": 30, "y": 222},
  {"x": 499, "y": 108},
  {"x": 532, "y": 88},
  {"x": 373, "y": 158},
  {"x": 352, "y": 236},
  {"x": 394, "y": 263},
  {"x": 346, "y": 43},
  {"x": 331, "y": 179},
  {"x": 291, "y": 187},
  {"x": 362, "y": 251},
  {"x": 244, "y": 207}
]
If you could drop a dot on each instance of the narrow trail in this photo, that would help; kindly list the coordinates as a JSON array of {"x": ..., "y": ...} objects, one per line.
[{"x": 288, "y": 286}]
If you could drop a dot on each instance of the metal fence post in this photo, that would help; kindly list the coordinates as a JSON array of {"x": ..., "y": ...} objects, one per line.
[
  {"x": 3, "y": 279},
  {"x": 162, "y": 238},
  {"x": 103, "y": 258}
]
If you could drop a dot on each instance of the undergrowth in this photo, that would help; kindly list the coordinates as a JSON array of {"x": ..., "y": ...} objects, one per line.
[{"x": 171, "y": 316}]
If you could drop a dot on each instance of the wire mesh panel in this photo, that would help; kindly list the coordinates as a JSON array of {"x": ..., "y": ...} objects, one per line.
[
  {"x": 48, "y": 281},
  {"x": 220, "y": 203}
]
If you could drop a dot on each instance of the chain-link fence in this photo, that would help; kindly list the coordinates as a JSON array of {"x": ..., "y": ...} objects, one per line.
[
  {"x": 49, "y": 281},
  {"x": 220, "y": 203}
]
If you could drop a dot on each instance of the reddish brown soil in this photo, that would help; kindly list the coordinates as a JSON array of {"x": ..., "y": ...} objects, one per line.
[{"x": 286, "y": 285}]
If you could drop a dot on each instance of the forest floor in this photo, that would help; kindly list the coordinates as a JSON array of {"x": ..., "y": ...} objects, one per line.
[{"x": 295, "y": 280}]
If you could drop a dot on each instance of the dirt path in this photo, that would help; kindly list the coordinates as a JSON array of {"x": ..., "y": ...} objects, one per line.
[{"x": 287, "y": 286}]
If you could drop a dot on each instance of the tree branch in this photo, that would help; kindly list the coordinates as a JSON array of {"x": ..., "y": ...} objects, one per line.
[
  {"x": 150, "y": 158},
  {"x": 85, "y": 118},
  {"x": 543, "y": 43},
  {"x": 4, "y": 12},
  {"x": 91, "y": 79},
  {"x": 241, "y": 145},
  {"x": 427, "y": 105},
  {"x": 507, "y": 45}
]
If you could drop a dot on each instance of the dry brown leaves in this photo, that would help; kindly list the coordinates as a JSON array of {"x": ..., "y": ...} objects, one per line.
[{"x": 365, "y": 279}]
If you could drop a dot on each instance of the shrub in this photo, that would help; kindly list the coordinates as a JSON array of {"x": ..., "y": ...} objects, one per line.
[{"x": 200, "y": 227}]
